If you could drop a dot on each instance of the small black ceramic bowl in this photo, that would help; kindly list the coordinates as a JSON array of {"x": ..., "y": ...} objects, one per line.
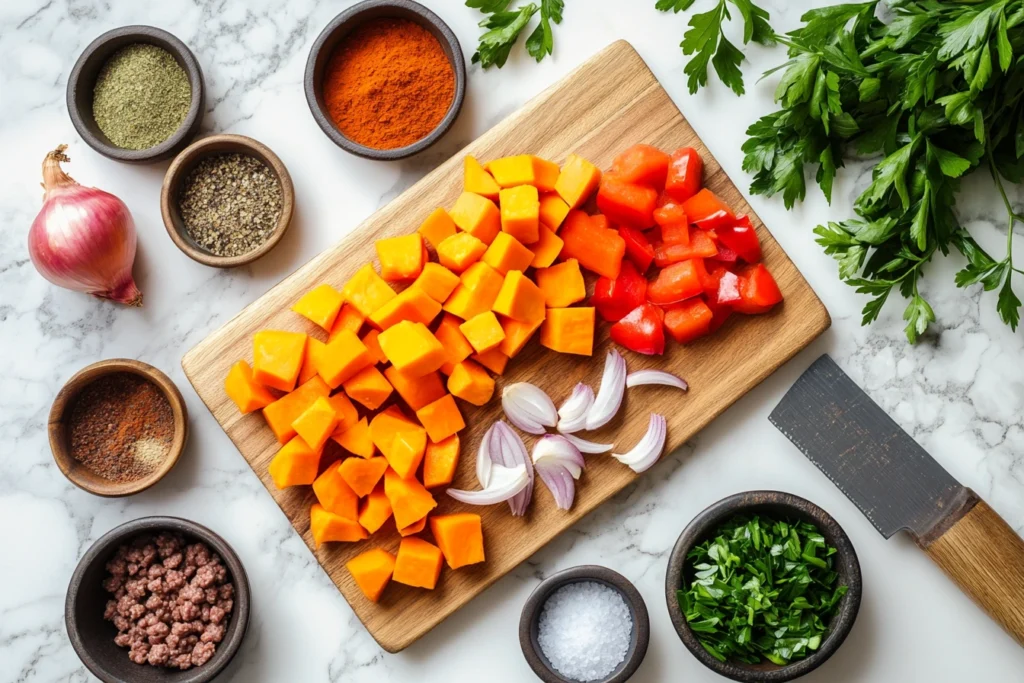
[
  {"x": 777, "y": 504},
  {"x": 529, "y": 622},
  {"x": 83, "y": 80},
  {"x": 93, "y": 636},
  {"x": 338, "y": 28}
]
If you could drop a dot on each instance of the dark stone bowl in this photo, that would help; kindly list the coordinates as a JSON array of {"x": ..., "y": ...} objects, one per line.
[
  {"x": 93, "y": 636},
  {"x": 338, "y": 28},
  {"x": 83, "y": 79},
  {"x": 780, "y": 505},
  {"x": 530, "y": 620}
]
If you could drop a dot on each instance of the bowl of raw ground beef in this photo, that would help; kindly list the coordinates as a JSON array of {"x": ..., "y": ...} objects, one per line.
[{"x": 158, "y": 600}]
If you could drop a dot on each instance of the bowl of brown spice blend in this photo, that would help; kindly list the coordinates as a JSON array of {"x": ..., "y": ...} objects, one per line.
[
  {"x": 385, "y": 79},
  {"x": 117, "y": 427}
]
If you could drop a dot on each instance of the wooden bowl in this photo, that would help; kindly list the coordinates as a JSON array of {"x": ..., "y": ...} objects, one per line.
[
  {"x": 186, "y": 161},
  {"x": 529, "y": 622},
  {"x": 338, "y": 28},
  {"x": 80, "y": 475},
  {"x": 92, "y": 636},
  {"x": 778, "y": 504},
  {"x": 83, "y": 79}
]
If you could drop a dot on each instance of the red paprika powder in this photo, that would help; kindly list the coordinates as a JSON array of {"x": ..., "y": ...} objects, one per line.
[{"x": 388, "y": 84}]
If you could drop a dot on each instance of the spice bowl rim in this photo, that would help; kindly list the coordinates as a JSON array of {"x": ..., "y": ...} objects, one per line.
[
  {"x": 530, "y": 619},
  {"x": 88, "y": 66},
  {"x": 848, "y": 567},
  {"x": 335, "y": 30},
  {"x": 78, "y": 474},
  {"x": 98, "y": 554},
  {"x": 222, "y": 143}
]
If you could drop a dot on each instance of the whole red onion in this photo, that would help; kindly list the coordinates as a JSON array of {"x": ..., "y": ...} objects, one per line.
[{"x": 83, "y": 238}]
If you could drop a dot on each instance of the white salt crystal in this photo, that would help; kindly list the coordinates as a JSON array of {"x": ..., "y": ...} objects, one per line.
[{"x": 584, "y": 630}]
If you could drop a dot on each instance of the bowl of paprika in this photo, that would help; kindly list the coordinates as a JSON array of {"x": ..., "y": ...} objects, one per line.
[{"x": 385, "y": 79}]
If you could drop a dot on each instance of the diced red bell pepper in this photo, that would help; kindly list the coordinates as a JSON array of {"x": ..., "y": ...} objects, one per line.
[
  {"x": 642, "y": 330},
  {"x": 707, "y": 211},
  {"x": 685, "y": 173},
  {"x": 642, "y": 164},
  {"x": 701, "y": 246},
  {"x": 713, "y": 275},
  {"x": 742, "y": 239},
  {"x": 688, "y": 320},
  {"x": 725, "y": 254},
  {"x": 676, "y": 233},
  {"x": 728, "y": 289},
  {"x": 719, "y": 314},
  {"x": 670, "y": 212},
  {"x": 678, "y": 282},
  {"x": 638, "y": 248},
  {"x": 613, "y": 299},
  {"x": 598, "y": 249},
  {"x": 758, "y": 290},
  {"x": 627, "y": 203}
]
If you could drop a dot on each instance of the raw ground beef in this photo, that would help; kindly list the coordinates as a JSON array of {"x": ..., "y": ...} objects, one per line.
[{"x": 171, "y": 601}]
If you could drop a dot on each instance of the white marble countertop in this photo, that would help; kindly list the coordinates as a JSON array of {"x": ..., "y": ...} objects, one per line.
[{"x": 960, "y": 392}]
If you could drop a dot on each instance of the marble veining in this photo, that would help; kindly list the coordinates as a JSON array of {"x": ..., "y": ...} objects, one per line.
[{"x": 960, "y": 391}]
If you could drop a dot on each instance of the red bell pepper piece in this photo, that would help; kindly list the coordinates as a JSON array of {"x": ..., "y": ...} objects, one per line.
[
  {"x": 638, "y": 248},
  {"x": 678, "y": 282},
  {"x": 676, "y": 233},
  {"x": 685, "y": 171},
  {"x": 642, "y": 164},
  {"x": 707, "y": 211},
  {"x": 701, "y": 246},
  {"x": 627, "y": 203},
  {"x": 601, "y": 221},
  {"x": 742, "y": 239},
  {"x": 713, "y": 273},
  {"x": 670, "y": 213},
  {"x": 688, "y": 320},
  {"x": 725, "y": 253},
  {"x": 728, "y": 289},
  {"x": 719, "y": 314},
  {"x": 614, "y": 298},
  {"x": 598, "y": 249},
  {"x": 758, "y": 290},
  {"x": 642, "y": 330}
]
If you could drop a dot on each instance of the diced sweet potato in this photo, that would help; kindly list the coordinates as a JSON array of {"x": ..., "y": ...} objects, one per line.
[
  {"x": 373, "y": 346},
  {"x": 478, "y": 288},
  {"x": 248, "y": 394},
  {"x": 512, "y": 171},
  {"x": 569, "y": 330},
  {"x": 401, "y": 258},
  {"x": 437, "y": 227},
  {"x": 361, "y": 475},
  {"x": 412, "y": 348},
  {"x": 277, "y": 358},
  {"x": 375, "y": 509},
  {"x": 348, "y": 416},
  {"x": 506, "y": 253},
  {"x": 349, "y": 318},
  {"x": 410, "y": 502},
  {"x": 406, "y": 452},
  {"x": 460, "y": 538},
  {"x": 418, "y": 563},
  {"x": 494, "y": 360},
  {"x": 577, "y": 181},
  {"x": 414, "y": 528},
  {"x": 344, "y": 356},
  {"x": 456, "y": 346},
  {"x": 372, "y": 571},
  {"x": 412, "y": 304},
  {"x": 477, "y": 215},
  {"x": 471, "y": 383},
  {"x": 546, "y": 249},
  {"x": 437, "y": 281},
  {"x": 335, "y": 494},
  {"x": 520, "y": 213},
  {"x": 326, "y": 526},
  {"x": 553, "y": 211},
  {"x": 316, "y": 423},
  {"x": 368, "y": 387},
  {"x": 460, "y": 251},
  {"x": 386, "y": 424},
  {"x": 483, "y": 331},
  {"x": 441, "y": 418},
  {"x": 545, "y": 174},
  {"x": 356, "y": 439},
  {"x": 416, "y": 391},
  {"x": 478, "y": 180},
  {"x": 562, "y": 284},
  {"x": 367, "y": 291},
  {"x": 440, "y": 461},
  {"x": 519, "y": 298},
  {"x": 281, "y": 413},
  {"x": 314, "y": 352},
  {"x": 517, "y": 334},
  {"x": 295, "y": 464},
  {"x": 321, "y": 305}
]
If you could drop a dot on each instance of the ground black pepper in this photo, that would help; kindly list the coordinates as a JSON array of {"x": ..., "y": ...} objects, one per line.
[
  {"x": 121, "y": 427},
  {"x": 230, "y": 204}
]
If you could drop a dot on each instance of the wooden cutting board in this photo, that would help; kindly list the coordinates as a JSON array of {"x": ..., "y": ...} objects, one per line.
[{"x": 610, "y": 102}]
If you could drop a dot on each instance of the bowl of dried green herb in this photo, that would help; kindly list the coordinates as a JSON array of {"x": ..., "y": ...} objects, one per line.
[
  {"x": 226, "y": 200},
  {"x": 763, "y": 586},
  {"x": 136, "y": 94}
]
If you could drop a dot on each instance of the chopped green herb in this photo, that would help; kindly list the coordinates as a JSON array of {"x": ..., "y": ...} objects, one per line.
[
  {"x": 761, "y": 589},
  {"x": 505, "y": 25}
]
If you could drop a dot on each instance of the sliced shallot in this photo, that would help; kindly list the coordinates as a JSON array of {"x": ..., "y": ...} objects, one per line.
[
  {"x": 584, "y": 446},
  {"x": 528, "y": 407},
  {"x": 573, "y": 413},
  {"x": 484, "y": 462},
  {"x": 554, "y": 448},
  {"x": 506, "y": 449},
  {"x": 609, "y": 396},
  {"x": 505, "y": 483},
  {"x": 648, "y": 450},
  {"x": 559, "y": 481},
  {"x": 641, "y": 377}
]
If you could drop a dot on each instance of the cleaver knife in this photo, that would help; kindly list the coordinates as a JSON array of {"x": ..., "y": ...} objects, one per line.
[{"x": 899, "y": 487}]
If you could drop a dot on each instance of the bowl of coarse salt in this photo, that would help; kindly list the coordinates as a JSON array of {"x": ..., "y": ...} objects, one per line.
[{"x": 584, "y": 624}]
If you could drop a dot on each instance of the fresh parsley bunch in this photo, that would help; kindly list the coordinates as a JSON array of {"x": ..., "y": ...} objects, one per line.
[{"x": 505, "y": 25}]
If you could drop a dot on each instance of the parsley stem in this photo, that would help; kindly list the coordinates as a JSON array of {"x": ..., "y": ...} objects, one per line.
[{"x": 1013, "y": 217}]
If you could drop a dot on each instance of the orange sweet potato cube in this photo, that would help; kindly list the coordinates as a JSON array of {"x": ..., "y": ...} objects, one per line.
[
  {"x": 373, "y": 346},
  {"x": 314, "y": 352},
  {"x": 418, "y": 563},
  {"x": 477, "y": 215},
  {"x": 412, "y": 348},
  {"x": 545, "y": 174},
  {"x": 368, "y": 387},
  {"x": 569, "y": 330},
  {"x": 416, "y": 391},
  {"x": 520, "y": 213},
  {"x": 577, "y": 181},
  {"x": 517, "y": 333},
  {"x": 546, "y": 249},
  {"x": 321, "y": 305},
  {"x": 356, "y": 439},
  {"x": 375, "y": 509},
  {"x": 367, "y": 291},
  {"x": 519, "y": 298},
  {"x": 477, "y": 179},
  {"x": 326, "y": 526},
  {"x": 477, "y": 290},
  {"x": 410, "y": 501},
  {"x": 361, "y": 475},
  {"x": 372, "y": 571},
  {"x": 437, "y": 227},
  {"x": 281, "y": 413},
  {"x": 512, "y": 171},
  {"x": 506, "y": 253},
  {"x": 483, "y": 331},
  {"x": 335, "y": 494},
  {"x": 414, "y": 528},
  {"x": 347, "y": 414},
  {"x": 277, "y": 358},
  {"x": 412, "y": 304},
  {"x": 441, "y": 418},
  {"x": 494, "y": 360},
  {"x": 471, "y": 383},
  {"x": 349, "y": 318},
  {"x": 247, "y": 393},
  {"x": 553, "y": 211},
  {"x": 386, "y": 424},
  {"x": 344, "y": 356},
  {"x": 460, "y": 251},
  {"x": 316, "y": 423},
  {"x": 455, "y": 344},
  {"x": 295, "y": 464},
  {"x": 406, "y": 452},
  {"x": 440, "y": 461},
  {"x": 460, "y": 538},
  {"x": 437, "y": 281},
  {"x": 562, "y": 284},
  {"x": 401, "y": 258}
]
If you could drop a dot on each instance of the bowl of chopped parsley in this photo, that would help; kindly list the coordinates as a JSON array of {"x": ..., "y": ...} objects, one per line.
[{"x": 763, "y": 586}]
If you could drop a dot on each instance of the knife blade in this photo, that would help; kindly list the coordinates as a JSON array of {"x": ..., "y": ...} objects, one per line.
[{"x": 900, "y": 487}]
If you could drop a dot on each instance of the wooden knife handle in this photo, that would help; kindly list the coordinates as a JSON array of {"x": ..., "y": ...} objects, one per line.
[{"x": 985, "y": 557}]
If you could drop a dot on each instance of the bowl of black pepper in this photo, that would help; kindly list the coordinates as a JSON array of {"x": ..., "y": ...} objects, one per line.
[
  {"x": 226, "y": 200},
  {"x": 158, "y": 600},
  {"x": 117, "y": 427}
]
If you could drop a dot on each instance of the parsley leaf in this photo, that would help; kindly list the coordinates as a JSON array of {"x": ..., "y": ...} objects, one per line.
[
  {"x": 541, "y": 42},
  {"x": 1008, "y": 305},
  {"x": 506, "y": 25}
]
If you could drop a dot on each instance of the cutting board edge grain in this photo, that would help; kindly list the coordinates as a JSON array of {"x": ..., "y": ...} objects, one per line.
[{"x": 607, "y": 103}]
